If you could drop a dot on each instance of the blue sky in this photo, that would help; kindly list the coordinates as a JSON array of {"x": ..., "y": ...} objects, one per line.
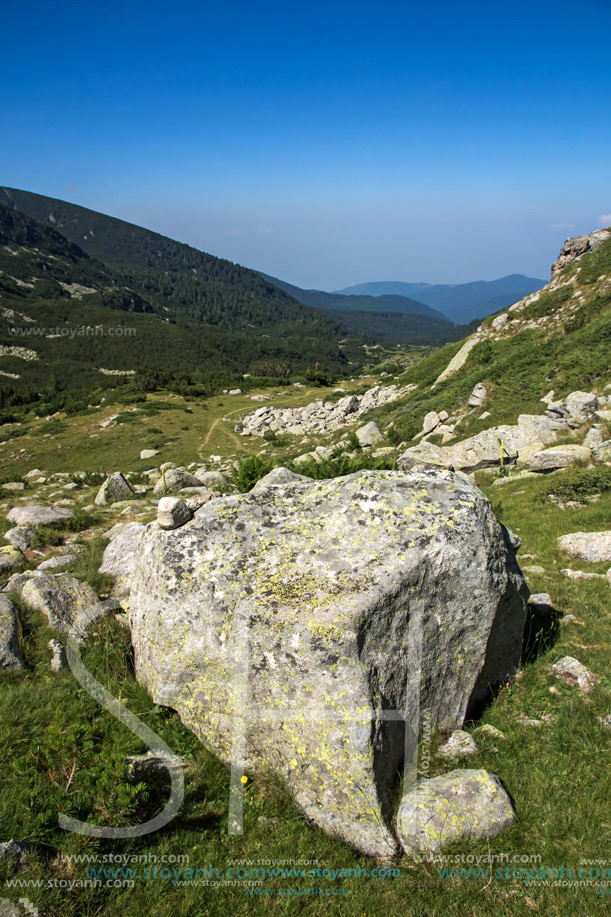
[{"x": 328, "y": 144}]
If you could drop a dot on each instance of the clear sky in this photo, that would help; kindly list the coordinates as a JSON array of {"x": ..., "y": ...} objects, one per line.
[{"x": 328, "y": 143}]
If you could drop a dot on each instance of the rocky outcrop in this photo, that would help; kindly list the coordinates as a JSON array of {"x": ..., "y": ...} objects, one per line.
[
  {"x": 295, "y": 616},
  {"x": 172, "y": 513},
  {"x": 319, "y": 416},
  {"x": 504, "y": 445},
  {"x": 576, "y": 247},
  {"x": 464, "y": 805}
]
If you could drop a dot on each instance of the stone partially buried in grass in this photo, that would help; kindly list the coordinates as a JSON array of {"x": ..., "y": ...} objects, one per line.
[
  {"x": 463, "y": 805},
  {"x": 37, "y": 514},
  {"x": 592, "y": 546},
  {"x": 69, "y": 605},
  {"x": 10, "y": 657},
  {"x": 10, "y": 557},
  {"x": 573, "y": 672}
]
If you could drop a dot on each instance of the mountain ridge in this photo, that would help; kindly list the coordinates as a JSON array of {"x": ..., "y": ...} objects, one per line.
[{"x": 460, "y": 302}]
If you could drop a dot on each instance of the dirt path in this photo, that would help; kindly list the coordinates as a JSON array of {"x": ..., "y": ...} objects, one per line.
[{"x": 211, "y": 430}]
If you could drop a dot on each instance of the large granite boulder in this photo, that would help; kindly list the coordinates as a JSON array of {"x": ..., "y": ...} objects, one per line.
[{"x": 311, "y": 619}]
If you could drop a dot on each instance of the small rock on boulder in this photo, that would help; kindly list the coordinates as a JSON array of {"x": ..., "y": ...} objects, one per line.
[
  {"x": 464, "y": 805},
  {"x": 172, "y": 513}
]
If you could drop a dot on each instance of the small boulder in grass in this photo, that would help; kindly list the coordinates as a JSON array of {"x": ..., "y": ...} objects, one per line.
[
  {"x": 459, "y": 744},
  {"x": 489, "y": 732},
  {"x": 573, "y": 672},
  {"x": 172, "y": 513},
  {"x": 463, "y": 805}
]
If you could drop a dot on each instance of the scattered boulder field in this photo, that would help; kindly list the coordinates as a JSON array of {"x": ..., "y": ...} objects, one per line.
[{"x": 302, "y": 627}]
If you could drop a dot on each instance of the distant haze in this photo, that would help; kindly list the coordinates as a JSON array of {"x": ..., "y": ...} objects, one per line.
[{"x": 331, "y": 144}]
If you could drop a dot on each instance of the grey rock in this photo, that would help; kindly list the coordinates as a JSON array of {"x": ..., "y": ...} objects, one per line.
[
  {"x": 10, "y": 657},
  {"x": 568, "y": 619},
  {"x": 14, "y": 485},
  {"x": 458, "y": 745},
  {"x": 576, "y": 247},
  {"x": 152, "y": 768},
  {"x": 149, "y": 453},
  {"x": 463, "y": 805},
  {"x": 174, "y": 479},
  {"x": 576, "y": 409},
  {"x": 423, "y": 455},
  {"x": 478, "y": 396},
  {"x": 369, "y": 435},
  {"x": 489, "y": 732},
  {"x": 211, "y": 479},
  {"x": 558, "y": 457},
  {"x": 591, "y": 546},
  {"x": 57, "y": 563},
  {"x": 69, "y": 605},
  {"x": 279, "y": 475},
  {"x": 293, "y": 609},
  {"x": 573, "y": 672},
  {"x": 173, "y": 513},
  {"x": 21, "y": 536},
  {"x": 431, "y": 420},
  {"x": 118, "y": 559},
  {"x": 594, "y": 438},
  {"x": 36, "y": 514},
  {"x": 114, "y": 489},
  {"x": 10, "y": 557},
  {"x": 58, "y": 657},
  {"x": 606, "y": 721},
  {"x": 167, "y": 466}
]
